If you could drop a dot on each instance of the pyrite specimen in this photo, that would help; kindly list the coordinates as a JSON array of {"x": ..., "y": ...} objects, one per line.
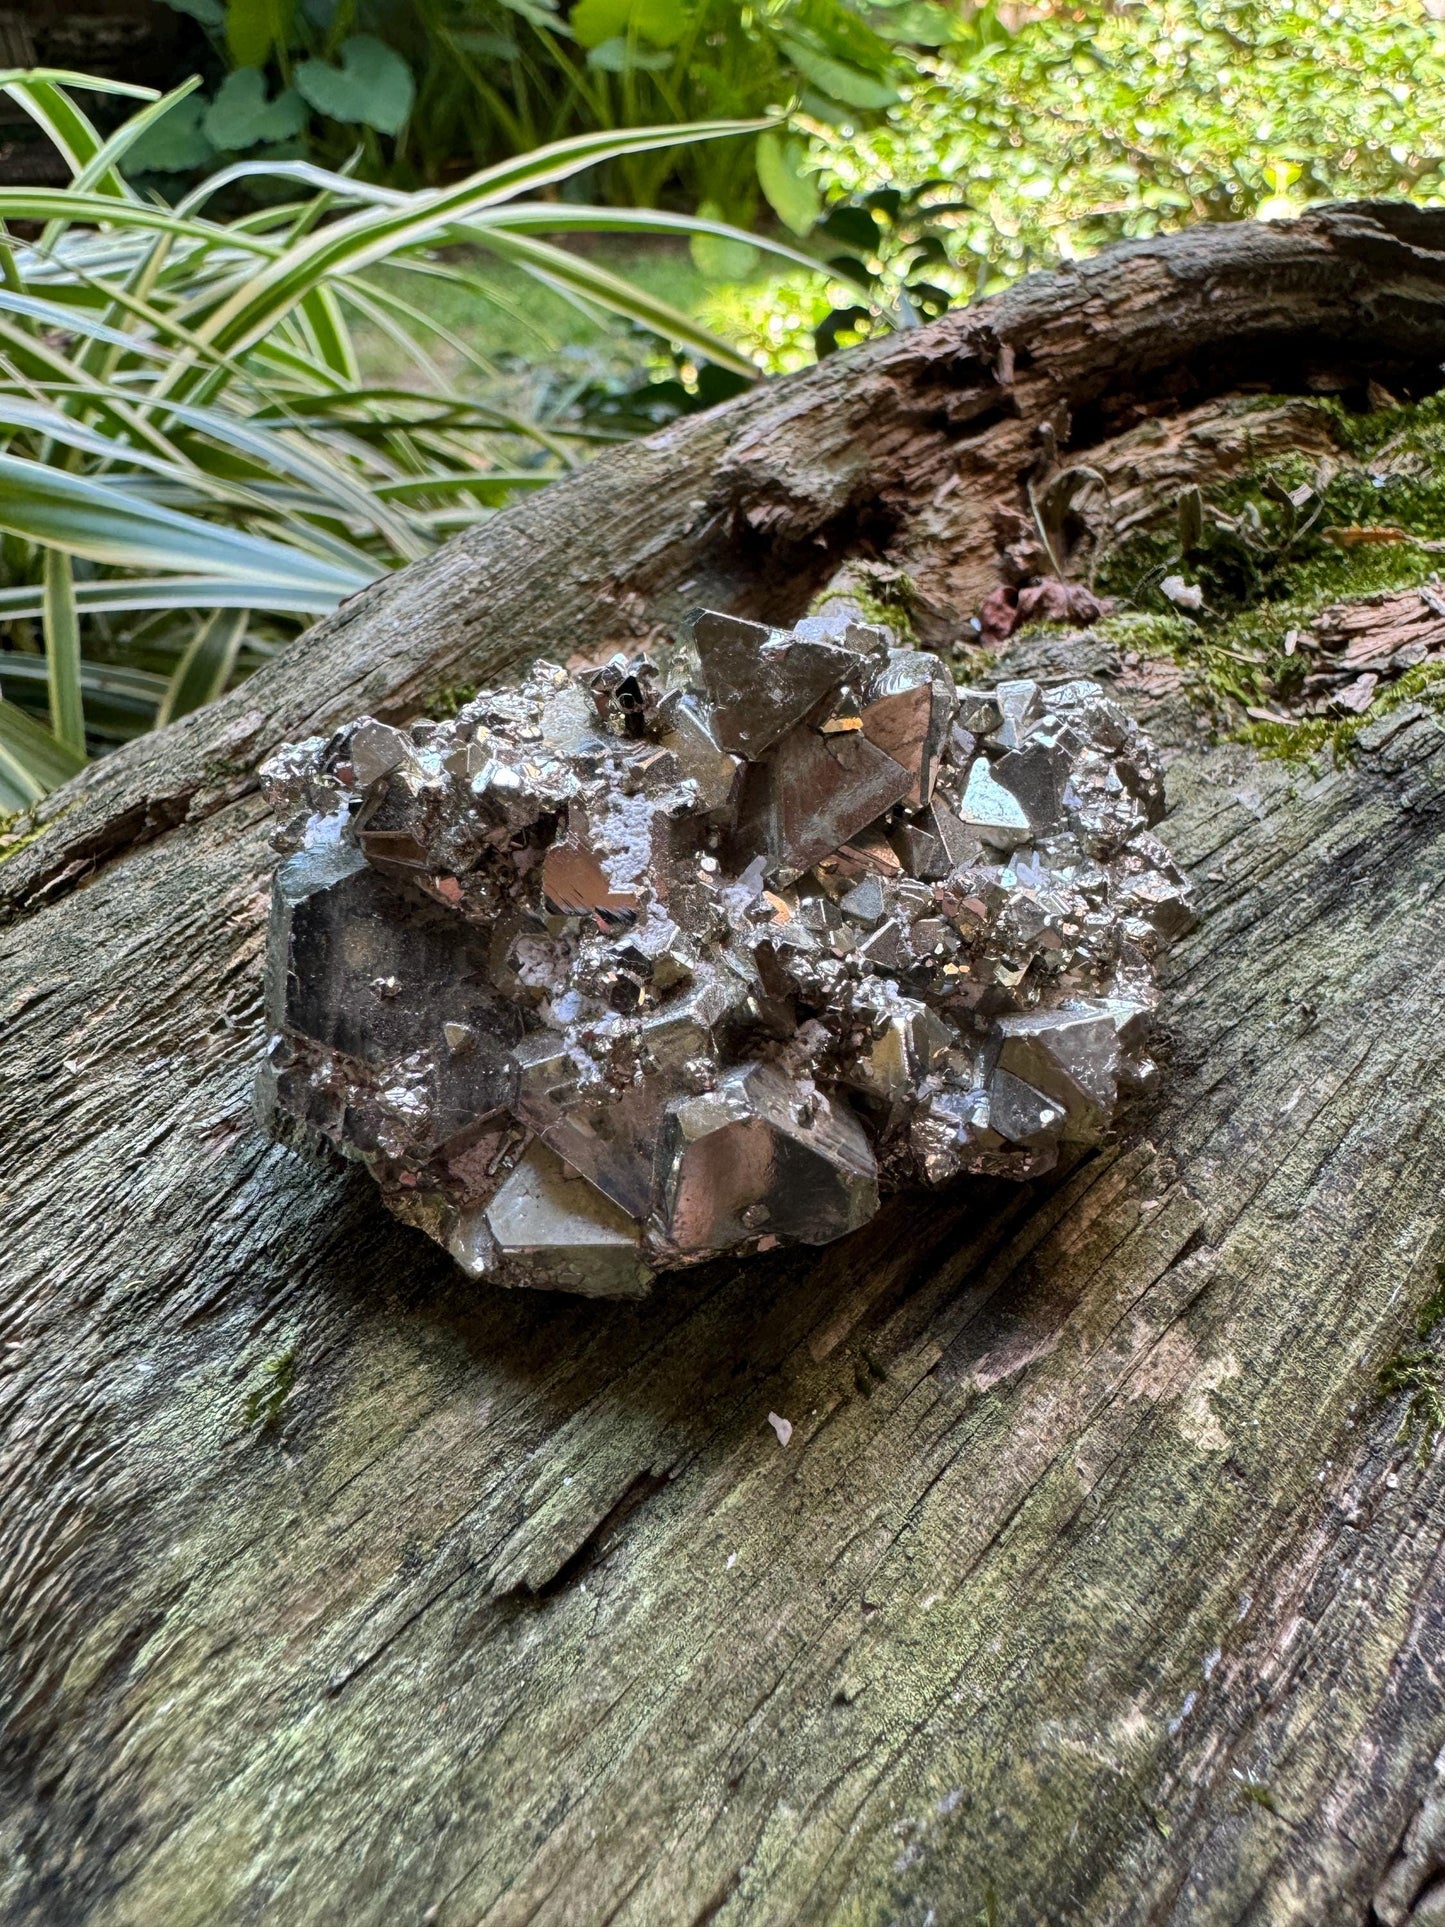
[{"x": 603, "y": 977}]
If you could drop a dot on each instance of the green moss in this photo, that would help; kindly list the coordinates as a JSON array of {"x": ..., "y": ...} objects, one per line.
[
  {"x": 1257, "y": 1793},
  {"x": 1416, "y": 1375},
  {"x": 1268, "y": 565},
  {"x": 19, "y": 829},
  {"x": 448, "y": 700},
  {"x": 1433, "y": 1309},
  {"x": 883, "y": 595},
  {"x": 264, "y": 1401},
  {"x": 1315, "y": 736}
]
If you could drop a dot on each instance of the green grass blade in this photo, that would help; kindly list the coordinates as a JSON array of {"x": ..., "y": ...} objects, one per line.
[
  {"x": 329, "y": 494},
  {"x": 68, "y": 77},
  {"x": 62, "y": 653},
  {"x": 327, "y": 332},
  {"x": 87, "y": 518},
  {"x": 102, "y": 170},
  {"x": 58, "y": 203},
  {"x": 203, "y": 671},
  {"x": 123, "y": 595},
  {"x": 70, "y": 318},
  {"x": 32, "y": 761},
  {"x": 373, "y": 233},
  {"x": 41, "y": 92},
  {"x": 112, "y": 691},
  {"x": 564, "y": 218},
  {"x": 571, "y": 272}
]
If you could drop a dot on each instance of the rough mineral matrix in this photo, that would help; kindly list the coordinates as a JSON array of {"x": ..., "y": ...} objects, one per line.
[{"x": 603, "y": 977}]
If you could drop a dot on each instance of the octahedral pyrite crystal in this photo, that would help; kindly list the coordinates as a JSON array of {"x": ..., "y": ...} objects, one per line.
[{"x": 603, "y": 977}]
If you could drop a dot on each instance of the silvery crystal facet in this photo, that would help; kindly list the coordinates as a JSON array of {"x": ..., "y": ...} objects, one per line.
[{"x": 601, "y": 977}]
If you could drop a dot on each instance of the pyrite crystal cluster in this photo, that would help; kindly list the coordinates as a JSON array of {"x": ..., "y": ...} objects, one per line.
[{"x": 603, "y": 977}]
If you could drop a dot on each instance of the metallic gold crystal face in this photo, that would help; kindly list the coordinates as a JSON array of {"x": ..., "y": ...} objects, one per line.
[{"x": 602, "y": 978}]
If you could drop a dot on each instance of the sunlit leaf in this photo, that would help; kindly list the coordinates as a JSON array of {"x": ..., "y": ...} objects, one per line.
[
  {"x": 257, "y": 28},
  {"x": 836, "y": 78},
  {"x": 791, "y": 192},
  {"x": 660, "y": 22}
]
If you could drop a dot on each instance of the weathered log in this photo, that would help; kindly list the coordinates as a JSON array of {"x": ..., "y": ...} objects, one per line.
[{"x": 1094, "y": 1584}]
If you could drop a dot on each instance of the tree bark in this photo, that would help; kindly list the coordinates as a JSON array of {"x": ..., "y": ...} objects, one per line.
[{"x": 1094, "y": 1584}]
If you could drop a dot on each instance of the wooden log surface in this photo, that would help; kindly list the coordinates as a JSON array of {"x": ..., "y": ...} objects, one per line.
[{"x": 1094, "y": 1583}]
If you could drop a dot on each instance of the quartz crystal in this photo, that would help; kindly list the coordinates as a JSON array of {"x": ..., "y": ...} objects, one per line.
[{"x": 603, "y": 976}]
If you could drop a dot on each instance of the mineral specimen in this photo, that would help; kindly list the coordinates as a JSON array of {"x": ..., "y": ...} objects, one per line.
[{"x": 600, "y": 977}]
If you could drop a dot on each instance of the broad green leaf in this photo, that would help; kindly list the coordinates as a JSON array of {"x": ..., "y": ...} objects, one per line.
[
  {"x": 594, "y": 21},
  {"x": 661, "y": 22},
  {"x": 721, "y": 257},
  {"x": 32, "y": 762},
  {"x": 204, "y": 670},
  {"x": 62, "y": 653},
  {"x": 791, "y": 193},
  {"x": 922, "y": 23},
  {"x": 837, "y": 79},
  {"x": 372, "y": 86},
  {"x": 621, "y": 56},
  {"x": 103, "y": 524},
  {"x": 242, "y": 116},
  {"x": 177, "y": 142},
  {"x": 257, "y": 28}
]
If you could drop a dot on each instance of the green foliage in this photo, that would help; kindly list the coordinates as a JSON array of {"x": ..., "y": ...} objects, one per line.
[
  {"x": 1266, "y": 553},
  {"x": 1095, "y": 122},
  {"x": 191, "y": 464},
  {"x": 441, "y": 86},
  {"x": 783, "y": 175},
  {"x": 369, "y": 86},
  {"x": 243, "y": 116}
]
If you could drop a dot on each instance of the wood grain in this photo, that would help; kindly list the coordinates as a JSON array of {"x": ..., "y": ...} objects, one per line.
[{"x": 1093, "y": 1584}]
